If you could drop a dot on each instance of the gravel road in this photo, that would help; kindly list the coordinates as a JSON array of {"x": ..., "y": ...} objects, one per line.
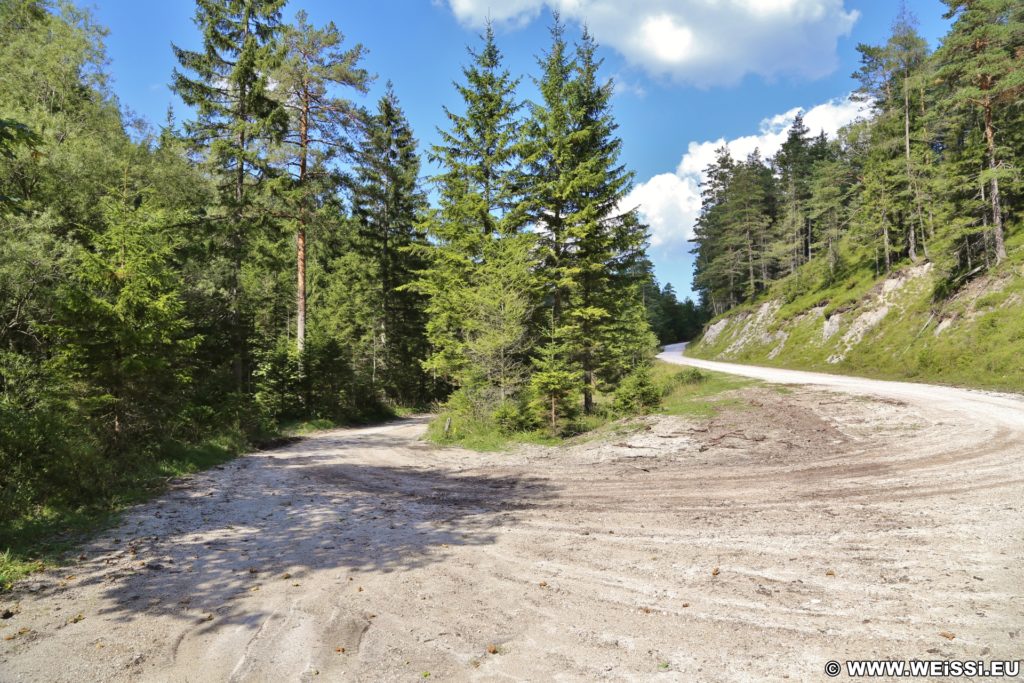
[{"x": 839, "y": 519}]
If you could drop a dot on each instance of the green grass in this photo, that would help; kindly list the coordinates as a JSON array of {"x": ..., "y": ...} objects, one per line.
[
  {"x": 699, "y": 399},
  {"x": 42, "y": 537}
]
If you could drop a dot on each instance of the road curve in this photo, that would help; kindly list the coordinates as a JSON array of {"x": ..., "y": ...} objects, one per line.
[
  {"x": 999, "y": 412},
  {"x": 852, "y": 520}
]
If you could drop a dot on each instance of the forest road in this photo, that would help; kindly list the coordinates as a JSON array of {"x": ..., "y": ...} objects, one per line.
[{"x": 783, "y": 528}]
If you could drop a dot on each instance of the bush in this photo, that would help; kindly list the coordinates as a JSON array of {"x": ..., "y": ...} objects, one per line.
[
  {"x": 688, "y": 376},
  {"x": 637, "y": 394},
  {"x": 514, "y": 416}
]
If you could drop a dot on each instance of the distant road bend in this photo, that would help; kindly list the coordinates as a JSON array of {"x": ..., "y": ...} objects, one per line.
[{"x": 1001, "y": 415}]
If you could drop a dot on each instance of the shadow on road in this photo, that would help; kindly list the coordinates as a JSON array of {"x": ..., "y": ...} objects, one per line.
[{"x": 279, "y": 516}]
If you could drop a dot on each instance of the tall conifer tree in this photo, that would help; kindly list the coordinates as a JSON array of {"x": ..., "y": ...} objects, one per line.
[
  {"x": 322, "y": 126},
  {"x": 479, "y": 199},
  {"x": 235, "y": 116},
  {"x": 981, "y": 62}
]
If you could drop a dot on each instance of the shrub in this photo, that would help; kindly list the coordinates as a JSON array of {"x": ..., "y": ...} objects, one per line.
[
  {"x": 514, "y": 416},
  {"x": 637, "y": 394},
  {"x": 688, "y": 376}
]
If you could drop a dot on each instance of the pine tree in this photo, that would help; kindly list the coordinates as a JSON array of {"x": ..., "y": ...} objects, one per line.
[
  {"x": 793, "y": 165},
  {"x": 888, "y": 76},
  {"x": 714, "y": 263},
  {"x": 980, "y": 60},
  {"x": 321, "y": 126},
  {"x": 235, "y": 116}
]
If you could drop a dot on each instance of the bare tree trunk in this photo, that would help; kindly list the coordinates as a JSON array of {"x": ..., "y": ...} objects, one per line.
[
  {"x": 300, "y": 236},
  {"x": 885, "y": 242},
  {"x": 997, "y": 211},
  {"x": 911, "y": 233}
]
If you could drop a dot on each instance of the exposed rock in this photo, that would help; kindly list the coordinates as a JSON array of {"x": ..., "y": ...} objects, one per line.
[
  {"x": 711, "y": 334},
  {"x": 943, "y": 326},
  {"x": 831, "y": 326}
]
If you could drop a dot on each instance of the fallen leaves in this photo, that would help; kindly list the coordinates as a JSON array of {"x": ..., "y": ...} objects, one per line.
[
  {"x": 714, "y": 572},
  {"x": 492, "y": 649},
  {"x": 543, "y": 584},
  {"x": 947, "y": 635},
  {"x": 830, "y": 572}
]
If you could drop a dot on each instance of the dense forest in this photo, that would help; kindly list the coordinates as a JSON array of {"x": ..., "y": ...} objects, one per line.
[
  {"x": 277, "y": 255},
  {"x": 929, "y": 177}
]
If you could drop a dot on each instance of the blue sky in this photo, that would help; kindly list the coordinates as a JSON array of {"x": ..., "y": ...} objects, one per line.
[{"x": 689, "y": 73}]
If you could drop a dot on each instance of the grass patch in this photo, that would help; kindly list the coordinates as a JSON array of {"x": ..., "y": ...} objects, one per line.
[
  {"x": 42, "y": 537},
  {"x": 699, "y": 398}
]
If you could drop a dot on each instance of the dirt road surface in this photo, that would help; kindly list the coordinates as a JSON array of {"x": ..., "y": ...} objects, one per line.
[{"x": 843, "y": 519}]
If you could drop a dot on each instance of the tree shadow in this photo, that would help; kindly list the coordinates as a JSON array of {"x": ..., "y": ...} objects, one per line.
[{"x": 281, "y": 515}]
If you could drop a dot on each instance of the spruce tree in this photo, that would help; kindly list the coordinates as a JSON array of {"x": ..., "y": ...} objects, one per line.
[
  {"x": 479, "y": 201},
  {"x": 588, "y": 245},
  {"x": 236, "y": 116},
  {"x": 387, "y": 207}
]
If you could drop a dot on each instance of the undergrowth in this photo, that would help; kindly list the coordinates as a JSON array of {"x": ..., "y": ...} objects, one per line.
[{"x": 686, "y": 392}]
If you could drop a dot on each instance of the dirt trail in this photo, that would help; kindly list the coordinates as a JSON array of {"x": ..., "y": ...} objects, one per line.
[{"x": 840, "y": 527}]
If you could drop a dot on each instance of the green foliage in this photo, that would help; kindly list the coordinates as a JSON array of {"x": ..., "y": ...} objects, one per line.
[
  {"x": 927, "y": 178},
  {"x": 637, "y": 394}
]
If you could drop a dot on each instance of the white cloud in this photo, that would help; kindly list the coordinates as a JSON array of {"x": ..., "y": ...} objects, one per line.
[
  {"x": 703, "y": 42},
  {"x": 670, "y": 202}
]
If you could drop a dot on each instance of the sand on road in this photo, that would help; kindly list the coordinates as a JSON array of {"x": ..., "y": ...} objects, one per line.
[{"x": 848, "y": 520}]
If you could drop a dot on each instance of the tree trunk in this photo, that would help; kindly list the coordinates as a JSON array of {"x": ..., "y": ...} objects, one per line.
[
  {"x": 588, "y": 393},
  {"x": 885, "y": 243},
  {"x": 300, "y": 237},
  {"x": 750, "y": 264},
  {"x": 997, "y": 211},
  {"x": 911, "y": 233}
]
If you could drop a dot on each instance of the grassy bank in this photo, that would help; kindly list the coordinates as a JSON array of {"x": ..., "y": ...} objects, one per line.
[
  {"x": 973, "y": 337},
  {"x": 684, "y": 392}
]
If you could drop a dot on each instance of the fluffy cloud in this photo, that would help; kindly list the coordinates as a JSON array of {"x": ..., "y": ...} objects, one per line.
[
  {"x": 670, "y": 202},
  {"x": 702, "y": 42}
]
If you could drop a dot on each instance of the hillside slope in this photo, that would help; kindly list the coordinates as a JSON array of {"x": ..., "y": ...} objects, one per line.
[{"x": 890, "y": 327}]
